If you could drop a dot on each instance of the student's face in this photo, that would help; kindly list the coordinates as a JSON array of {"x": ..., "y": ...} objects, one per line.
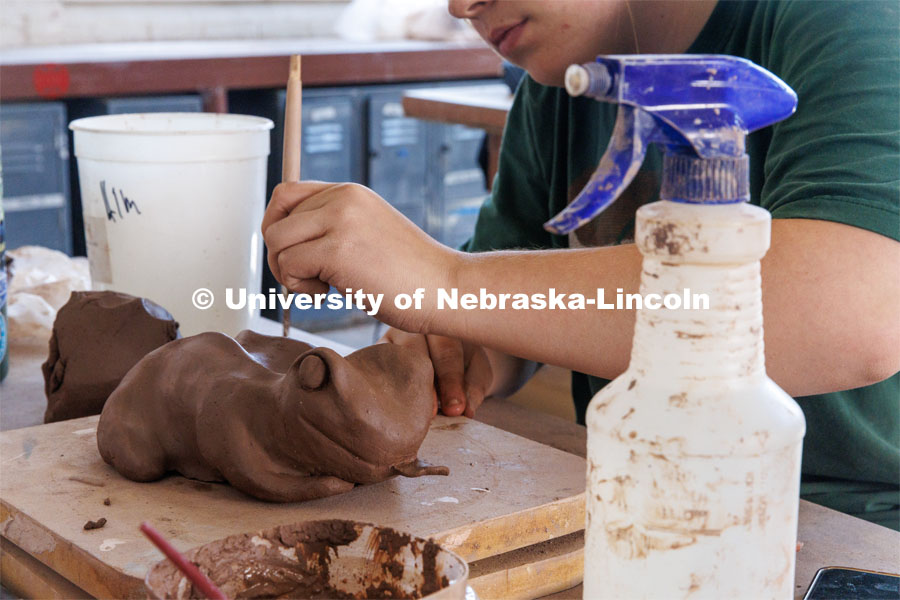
[{"x": 546, "y": 36}]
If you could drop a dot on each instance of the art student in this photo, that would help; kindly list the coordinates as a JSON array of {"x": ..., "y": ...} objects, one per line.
[{"x": 829, "y": 175}]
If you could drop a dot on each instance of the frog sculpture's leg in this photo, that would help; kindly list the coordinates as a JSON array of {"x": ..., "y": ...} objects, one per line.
[
  {"x": 130, "y": 446},
  {"x": 251, "y": 468},
  {"x": 143, "y": 436}
]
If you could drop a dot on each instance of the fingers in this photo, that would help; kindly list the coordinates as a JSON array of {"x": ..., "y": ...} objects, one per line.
[
  {"x": 286, "y": 197},
  {"x": 301, "y": 212},
  {"x": 301, "y": 266},
  {"x": 347, "y": 236},
  {"x": 449, "y": 371},
  {"x": 288, "y": 233},
  {"x": 478, "y": 377}
]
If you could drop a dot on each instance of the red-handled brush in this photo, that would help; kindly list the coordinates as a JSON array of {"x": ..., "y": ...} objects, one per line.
[{"x": 207, "y": 587}]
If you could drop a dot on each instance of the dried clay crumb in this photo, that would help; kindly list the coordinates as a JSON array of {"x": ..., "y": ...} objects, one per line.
[{"x": 95, "y": 524}]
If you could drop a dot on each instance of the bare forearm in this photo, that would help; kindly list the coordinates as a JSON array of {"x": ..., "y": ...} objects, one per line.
[
  {"x": 592, "y": 341},
  {"x": 830, "y": 306}
]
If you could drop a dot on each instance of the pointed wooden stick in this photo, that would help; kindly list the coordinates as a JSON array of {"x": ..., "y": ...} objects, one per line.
[{"x": 290, "y": 164}]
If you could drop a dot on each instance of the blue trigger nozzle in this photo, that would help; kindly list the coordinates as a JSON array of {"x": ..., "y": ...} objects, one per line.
[{"x": 700, "y": 107}]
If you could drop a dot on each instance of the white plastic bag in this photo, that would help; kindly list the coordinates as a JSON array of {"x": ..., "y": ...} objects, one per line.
[
  {"x": 41, "y": 281},
  {"x": 376, "y": 20}
]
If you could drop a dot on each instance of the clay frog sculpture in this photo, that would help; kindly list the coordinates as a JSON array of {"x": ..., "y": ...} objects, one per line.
[{"x": 274, "y": 417}]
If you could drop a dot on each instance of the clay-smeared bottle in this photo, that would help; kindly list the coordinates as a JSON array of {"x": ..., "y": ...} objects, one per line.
[{"x": 693, "y": 452}]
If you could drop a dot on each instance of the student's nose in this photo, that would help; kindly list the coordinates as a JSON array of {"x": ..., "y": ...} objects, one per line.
[{"x": 467, "y": 9}]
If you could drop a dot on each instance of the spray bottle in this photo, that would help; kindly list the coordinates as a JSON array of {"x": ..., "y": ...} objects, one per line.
[{"x": 693, "y": 453}]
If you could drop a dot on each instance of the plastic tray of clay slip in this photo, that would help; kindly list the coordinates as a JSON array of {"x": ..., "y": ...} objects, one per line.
[{"x": 320, "y": 559}]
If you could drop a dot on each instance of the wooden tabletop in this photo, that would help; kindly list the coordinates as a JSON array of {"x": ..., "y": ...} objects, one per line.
[
  {"x": 829, "y": 538},
  {"x": 482, "y": 106}
]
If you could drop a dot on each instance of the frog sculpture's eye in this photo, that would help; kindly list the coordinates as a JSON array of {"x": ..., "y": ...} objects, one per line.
[{"x": 313, "y": 373}]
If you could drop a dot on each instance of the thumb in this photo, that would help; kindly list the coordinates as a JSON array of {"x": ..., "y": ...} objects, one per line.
[
  {"x": 479, "y": 377},
  {"x": 448, "y": 360}
]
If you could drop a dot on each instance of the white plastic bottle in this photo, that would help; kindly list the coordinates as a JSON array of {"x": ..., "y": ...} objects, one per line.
[{"x": 693, "y": 453}]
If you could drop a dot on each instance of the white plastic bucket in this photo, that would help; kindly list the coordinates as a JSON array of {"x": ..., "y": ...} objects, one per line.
[{"x": 172, "y": 203}]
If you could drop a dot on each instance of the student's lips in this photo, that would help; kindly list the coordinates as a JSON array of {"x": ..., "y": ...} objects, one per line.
[{"x": 505, "y": 38}]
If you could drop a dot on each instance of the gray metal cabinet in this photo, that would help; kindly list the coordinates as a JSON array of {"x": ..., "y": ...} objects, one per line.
[
  {"x": 456, "y": 182},
  {"x": 428, "y": 171},
  {"x": 397, "y": 154},
  {"x": 332, "y": 131},
  {"x": 35, "y": 156},
  {"x": 332, "y": 135},
  {"x": 141, "y": 104}
]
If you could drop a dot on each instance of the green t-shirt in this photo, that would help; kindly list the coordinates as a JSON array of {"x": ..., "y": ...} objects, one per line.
[{"x": 836, "y": 159}]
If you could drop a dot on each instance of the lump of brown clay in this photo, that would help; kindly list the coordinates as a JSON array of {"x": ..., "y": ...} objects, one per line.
[
  {"x": 274, "y": 417},
  {"x": 97, "y": 337},
  {"x": 98, "y": 524}
]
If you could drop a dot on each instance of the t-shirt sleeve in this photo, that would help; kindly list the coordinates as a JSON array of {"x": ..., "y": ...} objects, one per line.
[
  {"x": 513, "y": 215},
  {"x": 838, "y": 157}
]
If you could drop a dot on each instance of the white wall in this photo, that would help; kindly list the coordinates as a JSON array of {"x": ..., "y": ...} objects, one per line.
[{"x": 45, "y": 22}]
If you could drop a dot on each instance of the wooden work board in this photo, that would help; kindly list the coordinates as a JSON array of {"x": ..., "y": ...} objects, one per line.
[{"x": 504, "y": 493}]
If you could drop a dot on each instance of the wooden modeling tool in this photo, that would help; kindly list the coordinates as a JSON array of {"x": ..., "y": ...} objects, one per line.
[
  {"x": 290, "y": 163},
  {"x": 190, "y": 570}
]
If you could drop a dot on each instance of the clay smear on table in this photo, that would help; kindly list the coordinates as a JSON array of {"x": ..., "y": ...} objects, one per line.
[
  {"x": 274, "y": 417},
  {"x": 97, "y": 337}
]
